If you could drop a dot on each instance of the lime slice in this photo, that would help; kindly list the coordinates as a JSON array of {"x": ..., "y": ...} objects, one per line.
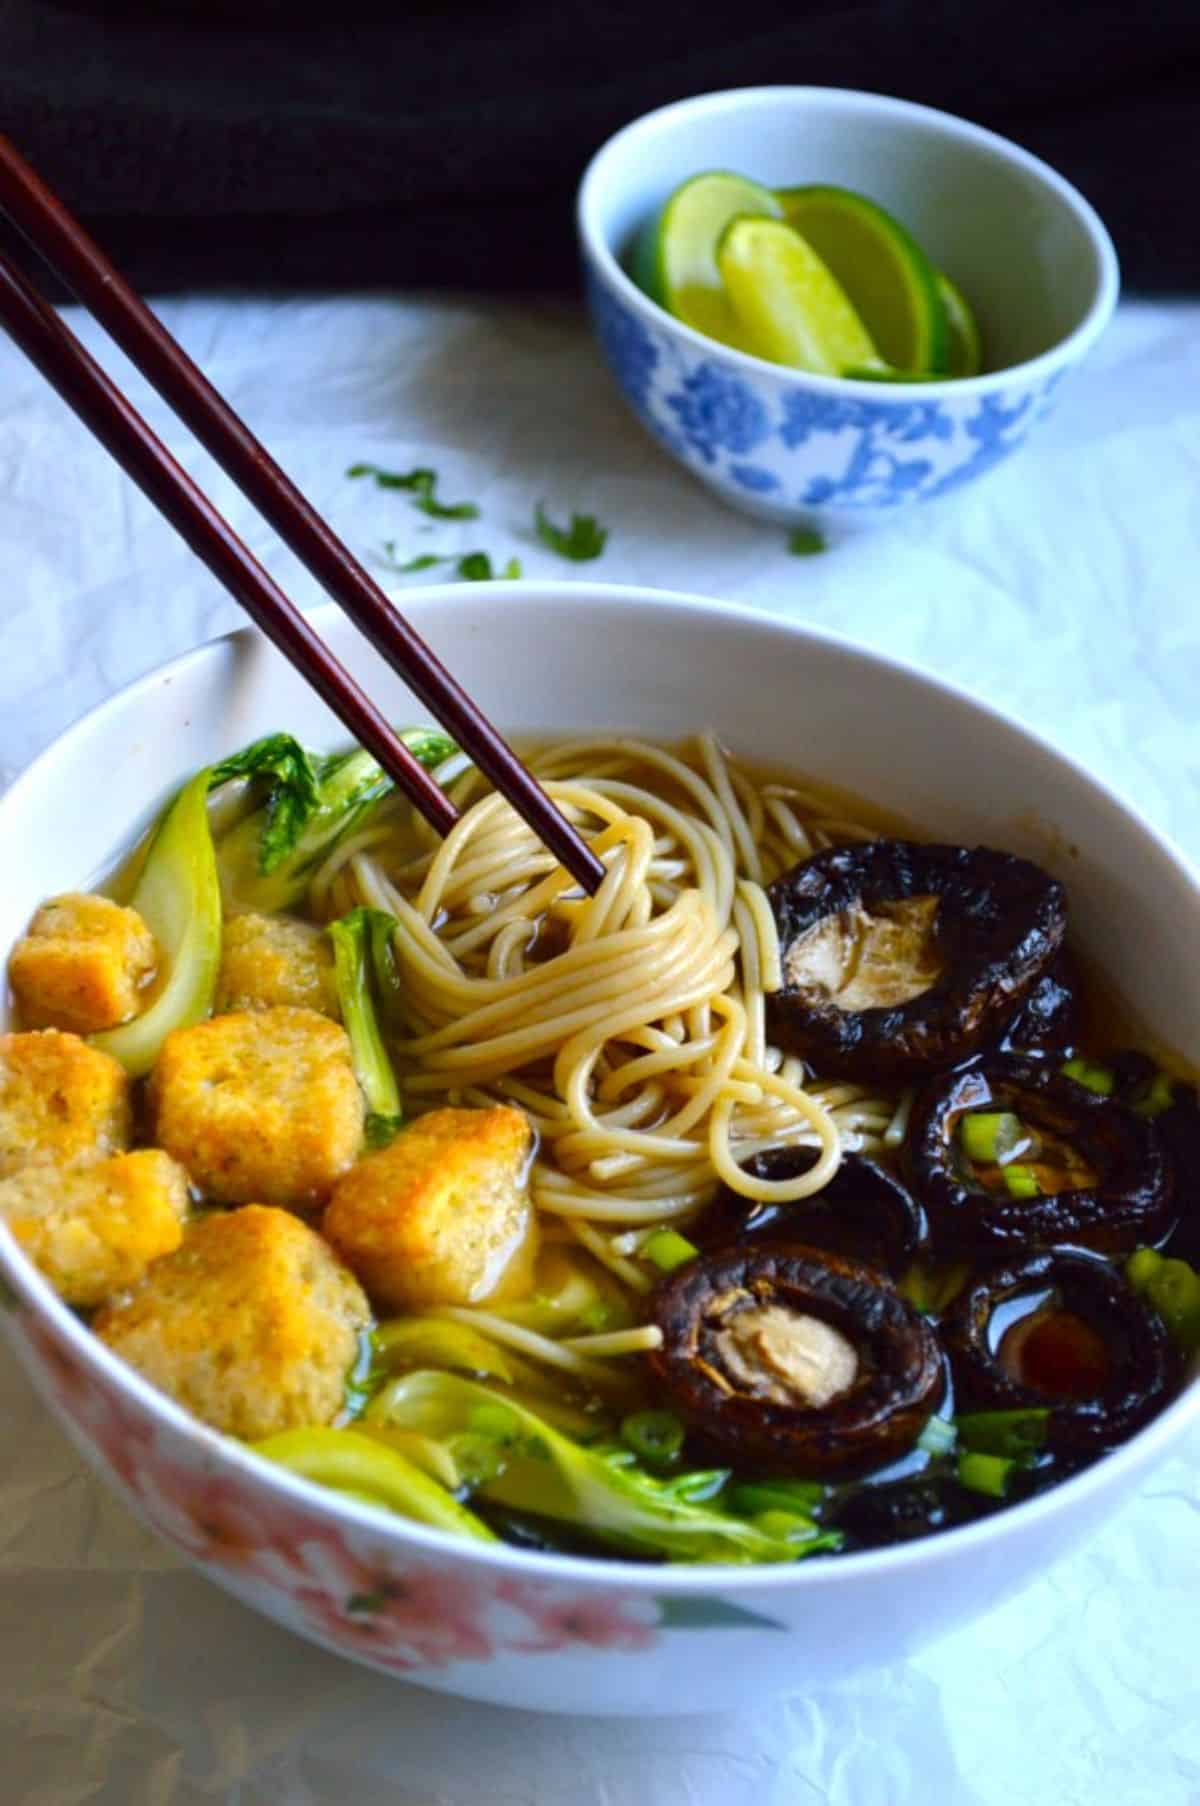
[
  {"x": 964, "y": 356},
  {"x": 789, "y": 308},
  {"x": 881, "y": 267},
  {"x": 674, "y": 258}
]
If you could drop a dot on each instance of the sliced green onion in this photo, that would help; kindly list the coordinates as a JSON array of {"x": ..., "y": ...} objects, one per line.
[
  {"x": 1175, "y": 1294},
  {"x": 1141, "y": 1267},
  {"x": 991, "y": 1136},
  {"x": 1155, "y": 1096},
  {"x": 988, "y": 1474},
  {"x": 1015, "y": 1434},
  {"x": 1172, "y": 1288},
  {"x": 753, "y": 1497},
  {"x": 656, "y": 1437},
  {"x": 1022, "y": 1182},
  {"x": 938, "y": 1437},
  {"x": 930, "y": 1289},
  {"x": 667, "y": 1249},
  {"x": 1092, "y": 1076}
]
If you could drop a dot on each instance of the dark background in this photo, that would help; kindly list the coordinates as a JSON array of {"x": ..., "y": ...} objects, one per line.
[{"x": 425, "y": 145}]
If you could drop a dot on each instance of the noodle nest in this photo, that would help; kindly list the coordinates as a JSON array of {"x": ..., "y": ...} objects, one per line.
[{"x": 629, "y": 1026}]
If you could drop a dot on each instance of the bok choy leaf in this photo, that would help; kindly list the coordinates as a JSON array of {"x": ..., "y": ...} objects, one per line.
[
  {"x": 311, "y": 803},
  {"x": 505, "y": 1453},
  {"x": 352, "y": 971},
  {"x": 179, "y": 898},
  {"x": 369, "y": 1471}
]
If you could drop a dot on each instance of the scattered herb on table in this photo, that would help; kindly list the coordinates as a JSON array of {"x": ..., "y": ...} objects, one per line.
[
  {"x": 584, "y": 538},
  {"x": 425, "y": 561},
  {"x": 421, "y": 484},
  {"x": 476, "y": 567},
  {"x": 471, "y": 567},
  {"x": 805, "y": 542}
]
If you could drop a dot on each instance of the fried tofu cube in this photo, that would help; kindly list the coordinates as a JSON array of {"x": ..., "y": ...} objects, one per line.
[
  {"x": 252, "y": 1324},
  {"x": 84, "y": 965},
  {"x": 268, "y": 961},
  {"x": 260, "y": 1106},
  {"x": 60, "y": 1101},
  {"x": 93, "y": 1229},
  {"x": 442, "y": 1215}
]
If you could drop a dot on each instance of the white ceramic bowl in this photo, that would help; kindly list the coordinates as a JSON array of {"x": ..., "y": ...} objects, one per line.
[
  {"x": 533, "y": 1630},
  {"x": 1025, "y": 247}
]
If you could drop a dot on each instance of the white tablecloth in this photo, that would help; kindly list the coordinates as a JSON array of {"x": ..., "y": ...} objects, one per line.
[{"x": 1065, "y": 589}]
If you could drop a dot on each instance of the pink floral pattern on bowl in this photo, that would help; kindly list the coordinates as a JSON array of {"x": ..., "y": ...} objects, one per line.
[{"x": 336, "y": 1583}]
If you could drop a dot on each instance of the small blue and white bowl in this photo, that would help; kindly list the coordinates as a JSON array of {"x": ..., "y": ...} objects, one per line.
[{"x": 1031, "y": 255}]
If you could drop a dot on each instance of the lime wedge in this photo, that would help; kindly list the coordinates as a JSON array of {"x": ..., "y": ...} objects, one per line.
[
  {"x": 789, "y": 308},
  {"x": 881, "y": 267},
  {"x": 964, "y": 355},
  {"x": 674, "y": 258}
]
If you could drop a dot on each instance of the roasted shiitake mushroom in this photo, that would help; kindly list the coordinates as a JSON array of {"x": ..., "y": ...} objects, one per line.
[
  {"x": 1049, "y": 1019},
  {"x": 1172, "y": 1105},
  {"x": 900, "y": 958},
  {"x": 864, "y": 1211},
  {"x": 1085, "y": 1345},
  {"x": 794, "y": 1360},
  {"x": 1012, "y": 1152}
]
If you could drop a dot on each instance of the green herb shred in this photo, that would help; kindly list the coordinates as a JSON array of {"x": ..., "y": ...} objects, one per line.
[
  {"x": 421, "y": 484},
  {"x": 584, "y": 538}
]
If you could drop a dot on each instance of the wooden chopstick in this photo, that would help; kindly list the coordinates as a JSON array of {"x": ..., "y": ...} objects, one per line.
[
  {"x": 61, "y": 241},
  {"x": 84, "y": 386}
]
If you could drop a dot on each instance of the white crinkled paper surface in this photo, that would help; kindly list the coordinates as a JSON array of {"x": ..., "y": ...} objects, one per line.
[{"x": 1065, "y": 589}]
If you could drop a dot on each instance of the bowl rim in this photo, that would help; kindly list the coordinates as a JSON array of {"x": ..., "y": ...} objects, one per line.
[
  {"x": 1063, "y": 352},
  {"x": 1130, "y": 1458}
]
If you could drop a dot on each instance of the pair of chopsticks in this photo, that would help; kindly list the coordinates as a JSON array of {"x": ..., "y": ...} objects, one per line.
[{"x": 65, "y": 247}]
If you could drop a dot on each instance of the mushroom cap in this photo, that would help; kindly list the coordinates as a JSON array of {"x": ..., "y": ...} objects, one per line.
[
  {"x": 1129, "y": 1203},
  {"x": 1142, "y": 1366},
  {"x": 915, "y": 956},
  {"x": 864, "y": 1211},
  {"x": 896, "y": 1382}
]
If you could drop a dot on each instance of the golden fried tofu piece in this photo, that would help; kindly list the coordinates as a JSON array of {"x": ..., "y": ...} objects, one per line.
[
  {"x": 268, "y": 961},
  {"x": 60, "y": 1101},
  {"x": 252, "y": 1324},
  {"x": 260, "y": 1105},
  {"x": 94, "y": 1228},
  {"x": 84, "y": 964},
  {"x": 443, "y": 1215}
]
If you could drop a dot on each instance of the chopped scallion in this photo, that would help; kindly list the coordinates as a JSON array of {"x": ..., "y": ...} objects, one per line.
[
  {"x": 1092, "y": 1076},
  {"x": 667, "y": 1249},
  {"x": 1014, "y": 1434},
  {"x": 938, "y": 1437},
  {"x": 930, "y": 1289},
  {"x": 987, "y": 1474},
  {"x": 1172, "y": 1287},
  {"x": 1022, "y": 1182},
  {"x": 991, "y": 1136},
  {"x": 656, "y": 1437},
  {"x": 1155, "y": 1096}
]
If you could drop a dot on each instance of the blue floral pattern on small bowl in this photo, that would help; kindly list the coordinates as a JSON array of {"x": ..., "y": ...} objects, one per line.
[{"x": 779, "y": 444}]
